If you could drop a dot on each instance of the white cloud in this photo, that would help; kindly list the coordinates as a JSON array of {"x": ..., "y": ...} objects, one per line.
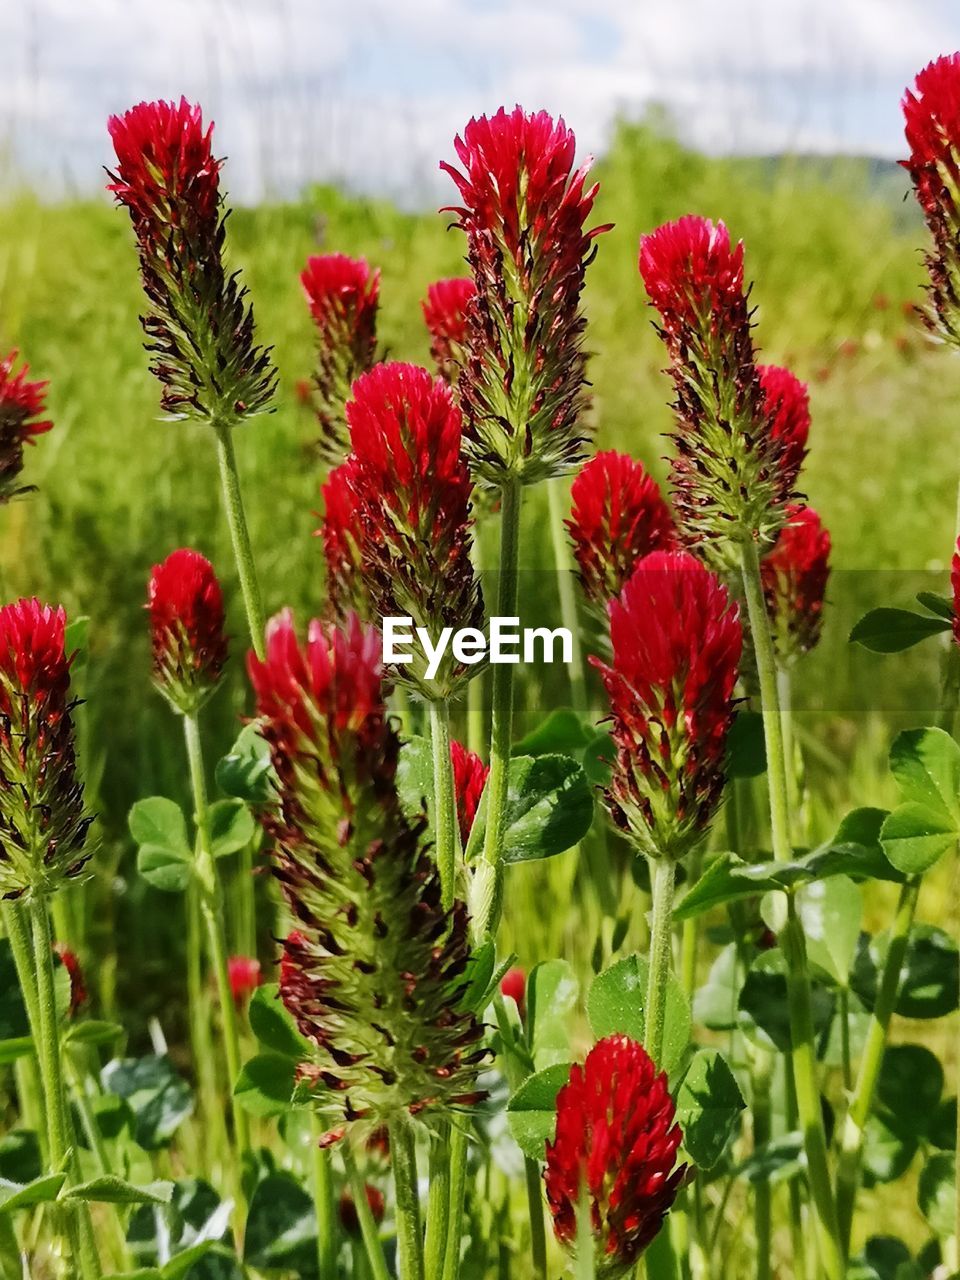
[{"x": 372, "y": 91}]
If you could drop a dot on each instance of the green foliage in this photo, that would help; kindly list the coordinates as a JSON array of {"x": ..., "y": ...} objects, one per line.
[
  {"x": 926, "y": 766},
  {"x": 617, "y": 1000}
]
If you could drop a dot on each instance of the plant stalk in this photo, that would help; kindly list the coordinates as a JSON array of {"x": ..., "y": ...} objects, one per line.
[
  {"x": 240, "y": 536},
  {"x": 368, "y": 1227},
  {"x": 792, "y": 941},
  {"x": 459, "y": 1149},
  {"x": 569, "y": 615},
  {"x": 445, "y": 801},
  {"x": 663, "y": 879},
  {"x": 403, "y": 1155},
  {"x": 324, "y": 1207}
]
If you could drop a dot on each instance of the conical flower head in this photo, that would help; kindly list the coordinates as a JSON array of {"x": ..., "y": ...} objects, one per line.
[
  {"x": 728, "y": 476},
  {"x": 469, "y": 779},
  {"x": 786, "y": 401},
  {"x": 616, "y": 1142},
  {"x": 43, "y": 822},
  {"x": 22, "y": 404},
  {"x": 932, "y": 114},
  {"x": 342, "y": 535},
  {"x": 445, "y": 310},
  {"x": 794, "y": 575},
  {"x": 676, "y": 640},
  {"x": 376, "y": 970},
  {"x": 199, "y": 327},
  {"x": 185, "y": 604},
  {"x": 343, "y": 295},
  {"x": 525, "y": 205},
  {"x": 617, "y": 517},
  {"x": 411, "y": 487}
]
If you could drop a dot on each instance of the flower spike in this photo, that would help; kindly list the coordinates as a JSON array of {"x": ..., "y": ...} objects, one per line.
[
  {"x": 343, "y": 295},
  {"x": 524, "y": 208},
  {"x": 22, "y": 404},
  {"x": 187, "y": 629},
  {"x": 375, "y": 971},
  {"x": 199, "y": 326},
  {"x": 677, "y": 640},
  {"x": 794, "y": 575},
  {"x": 932, "y": 115},
  {"x": 445, "y": 310},
  {"x": 617, "y": 1134},
  {"x": 729, "y": 478},
  {"x": 787, "y": 402},
  {"x": 617, "y": 517},
  {"x": 43, "y": 821}
]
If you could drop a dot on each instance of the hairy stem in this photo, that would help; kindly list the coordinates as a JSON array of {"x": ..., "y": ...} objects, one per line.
[
  {"x": 663, "y": 878},
  {"x": 324, "y": 1208},
  {"x": 444, "y": 801},
  {"x": 459, "y": 1148},
  {"x": 565, "y": 589},
  {"x": 368, "y": 1227},
  {"x": 792, "y": 941},
  {"x": 403, "y": 1155},
  {"x": 240, "y": 536}
]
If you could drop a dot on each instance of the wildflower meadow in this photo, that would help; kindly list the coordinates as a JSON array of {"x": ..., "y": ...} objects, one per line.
[{"x": 473, "y": 830}]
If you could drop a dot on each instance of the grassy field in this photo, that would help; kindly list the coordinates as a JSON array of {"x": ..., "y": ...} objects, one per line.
[{"x": 835, "y": 257}]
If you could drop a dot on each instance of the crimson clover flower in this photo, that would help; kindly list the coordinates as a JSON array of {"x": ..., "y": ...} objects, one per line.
[
  {"x": 445, "y": 310},
  {"x": 676, "y": 639},
  {"x": 22, "y": 404},
  {"x": 616, "y": 1141},
  {"x": 794, "y": 575},
  {"x": 199, "y": 327},
  {"x": 185, "y": 604},
  {"x": 245, "y": 976},
  {"x": 78, "y": 988},
  {"x": 469, "y": 779},
  {"x": 43, "y": 821},
  {"x": 376, "y": 970},
  {"x": 410, "y": 487},
  {"x": 342, "y": 535},
  {"x": 786, "y": 401},
  {"x": 932, "y": 116},
  {"x": 617, "y": 517},
  {"x": 343, "y": 295},
  {"x": 729, "y": 474},
  {"x": 513, "y": 986},
  {"x": 523, "y": 387}
]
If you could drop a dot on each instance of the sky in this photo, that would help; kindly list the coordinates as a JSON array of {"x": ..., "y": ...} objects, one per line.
[{"x": 370, "y": 93}]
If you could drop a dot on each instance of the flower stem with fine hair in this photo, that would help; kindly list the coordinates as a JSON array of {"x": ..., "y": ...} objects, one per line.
[
  {"x": 368, "y": 1226},
  {"x": 403, "y": 1155},
  {"x": 663, "y": 878},
  {"x": 792, "y": 941},
  {"x": 240, "y": 536}
]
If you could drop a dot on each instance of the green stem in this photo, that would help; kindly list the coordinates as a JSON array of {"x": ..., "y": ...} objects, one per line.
[
  {"x": 324, "y": 1207},
  {"x": 368, "y": 1227},
  {"x": 11, "y": 1264},
  {"x": 569, "y": 615},
  {"x": 489, "y": 898},
  {"x": 459, "y": 1149},
  {"x": 403, "y": 1156},
  {"x": 439, "y": 1202},
  {"x": 663, "y": 879},
  {"x": 792, "y": 941},
  {"x": 211, "y": 909},
  {"x": 762, "y": 1193},
  {"x": 30, "y": 1091},
  {"x": 240, "y": 536},
  {"x": 201, "y": 1039},
  {"x": 445, "y": 801},
  {"x": 861, "y": 1101},
  {"x": 538, "y": 1234}
]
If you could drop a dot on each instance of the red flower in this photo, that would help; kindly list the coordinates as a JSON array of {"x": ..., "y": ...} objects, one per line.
[
  {"x": 616, "y": 1133},
  {"x": 513, "y": 986},
  {"x": 343, "y": 540},
  {"x": 795, "y": 574},
  {"x": 411, "y": 488},
  {"x": 43, "y": 825},
  {"x": 524, "y": 207},
  {"x": 343, "y": 295},
  {"x": 469, "y": 779},
  {"x": 245, "y": 976},
  {"x": 932, "y": 116},
  {"x": 187, "y": 629},
  {"x": 199, "y": 327},
  {"x": 617, "y": 517},
  {"x": 787, "y": 401},
  {"x": 349, "y": 1218},
  {"x": 445, "y": 311},
  {"x": 78, "y": 989},
  {"x": 676, "y": 639},
  {"x": 21, "y": 404},
  {"x": 374, "y": 971},
  {"x": 730, "y": 483}
]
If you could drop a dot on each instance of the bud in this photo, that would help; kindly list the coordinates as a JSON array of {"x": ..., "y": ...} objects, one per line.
[
  {"x": 616, "y": 1133},
  {"x": 21, "y": 404},
  {"x": 469, "y": 779},
  {"x": 375, "y": 972},
  {"x": 410, "y": 486},
  {"x": 78, "y": 988},
  {"x": 43, "y": 823},
  {"x": 445, "y": 310},
  {"x": 198, "y": 324},
  {"x": 730, "y": 484},
  {"x": 617, "y": 517},
  {"x": 932, "y": 120},
  {"x": 342, "y": 536},
  {"x": 350, "y": 1219},
  {"x": 343, "y": 295},
  {"x": 245, "y": 976},
  {"x": 523, "y": 388},
  {"x": 513, "y": 986},
  {"x": 676, "y": 640},
  {"x": 794, "y": 575},
  {"x": 187, "y": 629},
  {"x": 786, "y": 401}
]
